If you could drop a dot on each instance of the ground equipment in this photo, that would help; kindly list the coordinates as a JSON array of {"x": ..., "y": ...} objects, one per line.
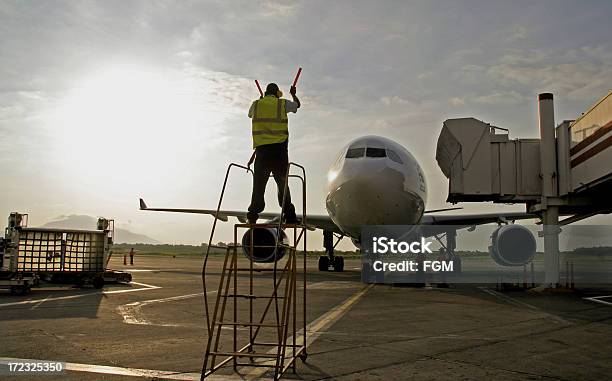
[{"x": 56, "y": 255}]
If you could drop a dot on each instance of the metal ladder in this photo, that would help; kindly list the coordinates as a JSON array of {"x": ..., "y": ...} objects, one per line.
[{"x": 278, "y": 298}]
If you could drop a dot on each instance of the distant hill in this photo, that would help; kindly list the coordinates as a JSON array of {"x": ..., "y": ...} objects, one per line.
[{"x": 76, "y": 221}]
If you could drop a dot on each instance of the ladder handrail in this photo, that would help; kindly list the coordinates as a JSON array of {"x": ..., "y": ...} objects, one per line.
[
  {"x": 231, "y": 269},
  {"x": 212, "y": 233},
  {"x": 279, "y": 233},
  {"x": 279, "y": 228}
]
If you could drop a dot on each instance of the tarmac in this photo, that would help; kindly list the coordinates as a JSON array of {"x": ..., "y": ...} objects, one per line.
[{"x": 155, "y": 328}]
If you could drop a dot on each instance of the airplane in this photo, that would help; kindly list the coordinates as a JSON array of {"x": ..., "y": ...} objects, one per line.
[{"x": 376, "y": 181}]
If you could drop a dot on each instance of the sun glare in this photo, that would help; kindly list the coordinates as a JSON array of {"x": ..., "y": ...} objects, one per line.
[{"x": 131, "y": 120}]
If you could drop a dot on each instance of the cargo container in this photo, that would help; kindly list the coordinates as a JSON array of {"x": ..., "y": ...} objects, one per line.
[{"x": 57, "y": 255}]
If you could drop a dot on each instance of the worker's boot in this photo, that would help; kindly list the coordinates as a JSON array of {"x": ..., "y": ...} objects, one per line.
[
  {"x": 252, "y": 217},
  {"x": 291, "y": 219}
]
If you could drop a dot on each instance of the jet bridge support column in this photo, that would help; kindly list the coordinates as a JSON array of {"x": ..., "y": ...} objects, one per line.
[{"x": 550, "y": 211}]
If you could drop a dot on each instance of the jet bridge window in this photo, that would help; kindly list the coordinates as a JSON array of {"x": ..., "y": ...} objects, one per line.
[
  {"x": 393, "y": 156},
  {"x": 375, "y": 152},
  {"x": 354, "y": 153}
]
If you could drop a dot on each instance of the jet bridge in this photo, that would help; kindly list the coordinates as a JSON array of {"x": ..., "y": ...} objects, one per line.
[
  {"x": 568, "y": 171},
  {"x": 483, "y": 164}
]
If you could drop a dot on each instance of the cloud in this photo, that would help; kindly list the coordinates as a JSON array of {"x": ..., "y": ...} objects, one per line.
[
  {"x": 579, "y": 73},
  {"x": 580, "y": 79},
  {"x": 525, "y": 57},
  {"x": 503, "y": 97},
  {"x": 494, "y": 98},
  {"x": 456, "y": 101},
  {"x": 13, "y": 111},
  {"x": 228, "y": 89},
  {"x": 426, "y": 76},
  {"x": 394, "y": 100},
  {"x": 519, "y": 33},
  {"x": 184, "y": 54},
  {"x": 279, "y": 8}
]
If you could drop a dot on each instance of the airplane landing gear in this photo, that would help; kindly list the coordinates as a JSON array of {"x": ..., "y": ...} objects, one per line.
[
  {"x": 323, "y": 263},
  {"x": 447, "y": 253},
  {"x": 339, "y": 263},
  {"x": 331, "y": 261}
]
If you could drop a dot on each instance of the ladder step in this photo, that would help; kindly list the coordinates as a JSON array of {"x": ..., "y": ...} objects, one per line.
[
  {"x": 249, "y": 324},
  {"x": 243, "y": 354},
  {"x": 278, "y": 270},
  {"x": 288, "y": 345},
  {"x": 263, "y": 364},
  {"x": 248, "y": 296}
]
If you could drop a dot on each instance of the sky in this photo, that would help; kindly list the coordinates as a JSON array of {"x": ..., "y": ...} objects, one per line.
[{"x": 103, "y": 102}]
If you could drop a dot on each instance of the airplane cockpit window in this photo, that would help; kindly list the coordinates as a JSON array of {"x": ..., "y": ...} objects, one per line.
[
  {"x": 395, "y": 157},
  {"x": 375, "y": 152},
  {"x": 354, "y": 153}
]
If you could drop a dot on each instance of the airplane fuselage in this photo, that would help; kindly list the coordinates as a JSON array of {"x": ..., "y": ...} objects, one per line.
[{"x": 375, "y": 181}]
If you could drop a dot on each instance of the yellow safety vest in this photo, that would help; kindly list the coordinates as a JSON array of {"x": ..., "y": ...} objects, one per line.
[{"x": 269, "y": 120}]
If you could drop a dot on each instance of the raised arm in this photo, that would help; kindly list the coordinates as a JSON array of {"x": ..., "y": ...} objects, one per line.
[{"x": 292, "y": 91}]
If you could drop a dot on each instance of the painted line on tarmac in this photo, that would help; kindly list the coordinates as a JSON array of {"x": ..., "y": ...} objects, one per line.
[
  {"x": 120, "y": 371},
  {"x": 507, "y": 299},
  {"x": 41, "y": 302},
  {"x": 519, "y": 303},
  {"x": 407, "y": 337},
  {"x": 330, "y": 317},
  {"x": 146, "y": 287},
  {"x": 597, "y": 299},
  {"x": 132, "y": 313},
  {"x": 151, "y": 270},
  {"x": 322, "y": 323},
  {"x": 333, "y": 285}
]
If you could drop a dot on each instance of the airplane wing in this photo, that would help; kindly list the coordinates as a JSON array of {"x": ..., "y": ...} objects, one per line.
[
  {"x": 432, "y": 225},
  {"x": 312, "y": 221},
  {"x": 324, "y": 222},
  {"x": 476, "y": 219}
]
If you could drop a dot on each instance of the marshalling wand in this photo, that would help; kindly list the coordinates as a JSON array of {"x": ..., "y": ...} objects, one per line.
[
  {"x": 259, "y": 88},
  {"x": 297, "y": 76}
]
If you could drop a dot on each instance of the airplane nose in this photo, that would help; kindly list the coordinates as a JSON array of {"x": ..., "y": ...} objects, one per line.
[{"x": 373, "y": 200}]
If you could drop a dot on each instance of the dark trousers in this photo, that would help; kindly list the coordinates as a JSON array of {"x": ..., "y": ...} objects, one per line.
[{"x": 270, "y": 158}]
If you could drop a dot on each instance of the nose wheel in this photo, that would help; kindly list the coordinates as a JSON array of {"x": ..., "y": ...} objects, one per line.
[
  {"x": 334, "y": 263},
  {"x": 331, "y": 262}
]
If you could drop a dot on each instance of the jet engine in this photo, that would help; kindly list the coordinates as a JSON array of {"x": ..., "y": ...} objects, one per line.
[
  {"x": 512, "y": 245},
  {"x": 264, "y": 242}
]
